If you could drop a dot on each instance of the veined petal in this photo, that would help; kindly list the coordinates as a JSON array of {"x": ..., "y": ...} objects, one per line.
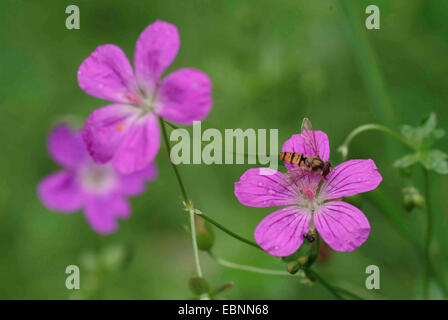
[
  {"x": 342, "y": 226},
  {"x": 102, "y": 212},
  {"x": 258, "y": 189},
  {"x": 349, "y": 178},
  {"x": 184, "y": 96},
  {"x": 66, "y": 146},
  {"x": 60, "y": 191},
  {"x": 135, "y": 183},
  {"x": 105, "y": 129},
  {"x": 139, "y": 147},
  {"x": 155, "y": 50},
  {"x": 107, "y": 74},
  {"x": 296, "y": 144},
  {"x": 281, "y": 233}
]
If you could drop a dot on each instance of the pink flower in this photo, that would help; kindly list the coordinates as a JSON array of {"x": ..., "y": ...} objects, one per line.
[
  {"x": 306, "y": 206},
  {"x": 126, "y": 132},
  {"x": 99, "y": 190}
]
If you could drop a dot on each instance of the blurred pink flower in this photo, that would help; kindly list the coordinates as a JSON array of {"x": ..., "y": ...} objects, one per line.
[
  {"x": 308, "y": 201},
  {"x": 126, "y": 132},
  {"x": 97, "y": 189}
]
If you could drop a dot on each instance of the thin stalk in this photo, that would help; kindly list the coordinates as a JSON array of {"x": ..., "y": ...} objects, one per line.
[
  {"x": 195, "y": 244},
  {"x": 186, "y": 200},
  {"x": 230, "y": 233},
  {"x": 329, "y": 287},
  {"x": 371, "y": 126},
  {"x": 333, "y": 289},
  {"x": 243, "y": 267},
  {"x": 428, "y": 237},
  {"x": 192, "y": 211}
]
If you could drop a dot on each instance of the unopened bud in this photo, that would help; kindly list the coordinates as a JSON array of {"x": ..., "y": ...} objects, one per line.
[
  {"x": 296, "y": 265},
  {"x": 198, "y": 285},
  {"x": 412, "y": 198},
  {"x": 205, "y": 236}
]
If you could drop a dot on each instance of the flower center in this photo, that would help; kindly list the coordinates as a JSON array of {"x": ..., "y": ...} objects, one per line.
[
  {"x": 98, "y": 178},
  {"x": 147, "y": 101}
]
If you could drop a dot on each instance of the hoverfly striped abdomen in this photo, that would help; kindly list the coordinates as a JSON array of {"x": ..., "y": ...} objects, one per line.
[{"x": 291, "y": 157}]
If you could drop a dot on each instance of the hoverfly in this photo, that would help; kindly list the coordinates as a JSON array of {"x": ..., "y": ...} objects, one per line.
[{"x": 312, "y": 163}]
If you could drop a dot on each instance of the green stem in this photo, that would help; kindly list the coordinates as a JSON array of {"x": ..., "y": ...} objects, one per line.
[
  {"x": 237, "y": 266},
  {"x": 186, "y": 200},
  {"x": 195, "y": 244},
  {"x": 371, "y": 126},
  {"x": 168, "y": 148},
  {"x": 329, "y": 287},
  {"x": 230, "y": 233},
  {"x": 333, "y": 289},
  {"x": 428, "y": 237}
]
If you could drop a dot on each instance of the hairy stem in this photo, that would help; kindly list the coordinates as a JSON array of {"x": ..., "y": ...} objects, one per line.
[
  {"x": 243, "y": 267},
  {"x": 186, "y": 200}
]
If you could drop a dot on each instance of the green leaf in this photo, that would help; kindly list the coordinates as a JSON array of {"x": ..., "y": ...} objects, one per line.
[
  {"x": 423, "y": 136},
  {"x": 435, "y": 160},
  {"x": 407, "y": 161}
]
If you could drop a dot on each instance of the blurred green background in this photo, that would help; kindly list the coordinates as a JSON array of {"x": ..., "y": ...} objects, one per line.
[{"x": 271, "y": 64}]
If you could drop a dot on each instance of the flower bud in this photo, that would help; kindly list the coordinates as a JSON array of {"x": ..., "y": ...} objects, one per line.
[
  {"x": 198, "y": 286},
  {"x": 296, "y": 265},
  {"x": 412, "y": 198},
  {"x": 205, "y": 236}
]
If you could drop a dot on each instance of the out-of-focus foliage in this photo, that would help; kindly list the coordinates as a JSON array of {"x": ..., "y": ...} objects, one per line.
[
  {"x": 271, "y": 63},
  {"x": 422, "y": 139}
]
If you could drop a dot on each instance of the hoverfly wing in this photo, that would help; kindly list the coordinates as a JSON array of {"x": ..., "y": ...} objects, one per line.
[
  {"x": 293, "y": 176},
  {"x": 309, "y": 137}
]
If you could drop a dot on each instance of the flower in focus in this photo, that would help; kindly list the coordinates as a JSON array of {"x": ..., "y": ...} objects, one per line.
[
  {"x": 97, "y": 189},
  {"x": 309, "y": 203},
  {"x": 126, "y": 132}
]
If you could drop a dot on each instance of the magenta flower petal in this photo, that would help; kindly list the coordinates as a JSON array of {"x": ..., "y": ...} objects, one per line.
[
  {"x": 59, "y": 191},
  {"x": 107, "y": 74},
  {"x": 281, "y": 233},
  {"x": 342, "y": 226},
  {"x": 134, "y": 184},
  {"x": 350, "y": 178},
  {"x": 105, "y": 129},
  {"x": 155, "y": 50},
  {"x": 256, "y": 189},
  {"x": 184, "y": 96},
  {"x": 102, "y": 212},
  {"x": 66, "y": 147},
  {"x": 296, "y": 144},
  {"x": 139, "y": 147}
]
